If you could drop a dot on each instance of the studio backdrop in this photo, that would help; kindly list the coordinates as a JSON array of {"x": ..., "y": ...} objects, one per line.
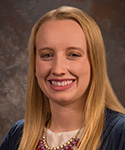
[{"x": 16, "y": 21}]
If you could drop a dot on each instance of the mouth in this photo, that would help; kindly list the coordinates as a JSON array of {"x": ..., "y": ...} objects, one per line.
[{"x": 61, "y": 85}]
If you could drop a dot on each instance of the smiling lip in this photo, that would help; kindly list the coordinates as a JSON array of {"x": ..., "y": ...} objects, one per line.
[{"x": 62, "y": 84}]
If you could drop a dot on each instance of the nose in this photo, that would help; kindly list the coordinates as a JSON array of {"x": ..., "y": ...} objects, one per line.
[{"x": 59, "y": 67}]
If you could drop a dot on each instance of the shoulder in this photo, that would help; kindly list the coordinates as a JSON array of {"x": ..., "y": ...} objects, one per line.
[
  {"x": 114, "y": 119},
  {"x": 17, "y": 127},
  {"x": 114, "y": 130},
  {"x": 13, "y": 137}
]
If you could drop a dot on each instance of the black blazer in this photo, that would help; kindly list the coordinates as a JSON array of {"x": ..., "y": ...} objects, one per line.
[{"x": 113, "y": 137}]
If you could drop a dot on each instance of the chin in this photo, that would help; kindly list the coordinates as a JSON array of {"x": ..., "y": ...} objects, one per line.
[{"x": 62, "y": 101}]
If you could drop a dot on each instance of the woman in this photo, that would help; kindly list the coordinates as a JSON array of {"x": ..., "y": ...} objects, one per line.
[{"x": 70, "y": 103}]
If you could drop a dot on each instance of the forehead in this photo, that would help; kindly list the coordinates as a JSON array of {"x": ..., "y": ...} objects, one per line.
[
  {"x": 60, "y": 24},
  {"x": 60, "y": 31}
]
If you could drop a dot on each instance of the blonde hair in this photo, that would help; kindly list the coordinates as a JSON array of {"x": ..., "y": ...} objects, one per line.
[{"x": 99, "y": 93}]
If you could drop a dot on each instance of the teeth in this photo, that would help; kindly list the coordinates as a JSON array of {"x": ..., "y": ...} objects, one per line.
[{"x": 63, "y": 83}]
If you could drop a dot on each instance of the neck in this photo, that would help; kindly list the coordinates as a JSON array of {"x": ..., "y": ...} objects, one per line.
[{"x": 66, "y": 118}]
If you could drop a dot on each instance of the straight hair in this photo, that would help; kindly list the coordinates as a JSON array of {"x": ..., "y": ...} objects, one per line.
[{"x": 99, "y": 94}]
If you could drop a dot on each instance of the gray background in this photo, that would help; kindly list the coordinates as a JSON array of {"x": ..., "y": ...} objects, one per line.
[{"x": 16, "y": 21}]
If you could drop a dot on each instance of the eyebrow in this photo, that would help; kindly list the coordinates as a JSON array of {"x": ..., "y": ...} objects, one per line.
[
  {"x": 75, "y": 48},
  {"x": 68, "y": 49},
  {"x": 45, "y": 48}
]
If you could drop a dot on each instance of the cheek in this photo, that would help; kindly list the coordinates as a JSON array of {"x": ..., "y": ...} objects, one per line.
[
  {"x": 82, "y": 69},
  {"x": 42, "y": 69},
  {"x": 84, "y": 75}
]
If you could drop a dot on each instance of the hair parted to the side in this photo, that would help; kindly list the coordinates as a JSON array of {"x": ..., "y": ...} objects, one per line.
[{"x": 99, "y": 93}]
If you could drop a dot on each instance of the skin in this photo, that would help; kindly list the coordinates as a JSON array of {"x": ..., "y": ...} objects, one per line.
[{"x": 61, "y": 58}]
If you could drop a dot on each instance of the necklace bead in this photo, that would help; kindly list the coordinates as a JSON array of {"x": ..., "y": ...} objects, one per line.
[{"x": 67, "y": 146}]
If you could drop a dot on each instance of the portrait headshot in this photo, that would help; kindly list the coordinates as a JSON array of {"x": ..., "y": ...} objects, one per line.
[{"x": 64, "y": 87}]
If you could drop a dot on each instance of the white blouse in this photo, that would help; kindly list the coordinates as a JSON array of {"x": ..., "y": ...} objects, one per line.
[{"x": 58, "y": 139}]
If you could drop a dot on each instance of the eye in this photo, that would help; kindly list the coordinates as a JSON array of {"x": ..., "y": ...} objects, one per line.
[
  {"x": 46, "y": 55},
  {"x": 74, "y": 55}
]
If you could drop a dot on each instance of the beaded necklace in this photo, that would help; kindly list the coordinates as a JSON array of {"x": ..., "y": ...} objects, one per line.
[{"x": 67, "y": 146}]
